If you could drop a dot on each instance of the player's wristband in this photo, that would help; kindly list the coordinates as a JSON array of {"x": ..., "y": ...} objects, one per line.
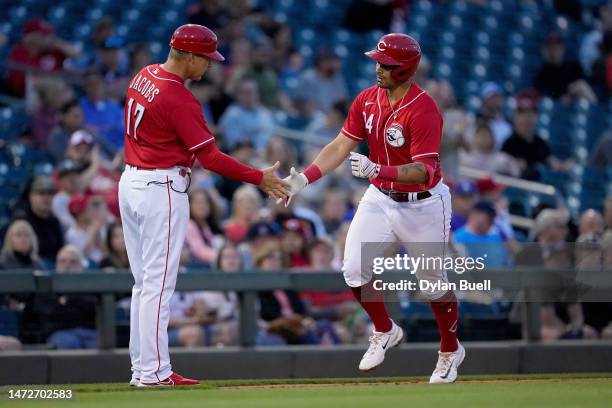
[
  {"x": 388, "y": 173},
  {"x": 312, "y": 173}
]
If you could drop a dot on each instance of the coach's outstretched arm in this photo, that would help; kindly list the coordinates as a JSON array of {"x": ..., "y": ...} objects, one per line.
[
  {"x": 328, "y": 159},
  {"x": 214, "y": 160},
  {"x": 419, "y": 172}
]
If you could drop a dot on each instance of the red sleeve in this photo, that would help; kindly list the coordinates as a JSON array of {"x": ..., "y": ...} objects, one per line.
[
  {"x": 354, "y": 125},
  {"x": 190, "y": 126},
  {"x": 212, "y": 159},
  {"x": 425, "y": 135}
]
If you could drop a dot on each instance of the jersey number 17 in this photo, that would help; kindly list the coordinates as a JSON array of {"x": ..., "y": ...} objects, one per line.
[{"x": 136, "y": 115}]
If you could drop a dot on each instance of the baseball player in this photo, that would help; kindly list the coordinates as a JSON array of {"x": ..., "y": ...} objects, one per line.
[
  {"x": 165, "y": 132},
  {"x": 407, "y": 200}
]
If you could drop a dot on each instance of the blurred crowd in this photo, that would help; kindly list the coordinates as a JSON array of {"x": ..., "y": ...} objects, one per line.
[{"x": 68, "y": 221}]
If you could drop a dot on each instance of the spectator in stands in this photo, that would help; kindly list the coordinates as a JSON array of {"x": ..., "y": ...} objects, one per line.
[
  {"x": 224, "y": 330},
  {"x": 71, "y": 120},
  {"x": 204, "y": 234},
  {"x": 493, "y": 192},
  {"x": 116, "y": 253},
  {"x": 457, "y": 123},
  {"x": 491, "y": 111},
  {"x": 305, "y": 112},
  {"x": 592, "y": 41},
  {"x": 140, "y": 57},
  {"x": 209, "y": 13},
  {"x": 279, "y": 149},
  {"x": 329, "y": 309},
  {"x": 334, "y": 208},
  {"x": 45, "y": 102},
  {"x": 101, "y": 113},
  {"x": 282, "y": 313},
  {"x": 559, "y": 78},
  {"x": 67, "y": 180},
  {"x": 561, "y": 317},
  {"x": 481, "y": 154},
  {"x": 327, "y": 127},
  {"x": 39, "y": 52},
  {"x": 525, "y": 145},
  {"x": 293, "y": 239},
  {"x": 96, "y": 175},
  {"x": 63, "y": 321},
  {"x": 324, "y": 84},
  {"x": 188, "y": 317},
  {"x": 601, "y": 77},
  {"x": 37, "y": 212},
  {"x": 87, "y": 234},
  {"x": 262, "y": 72},
  {"x": 591, "y": 222},
  {"x": 246, "y": 119},
  {"x": 246, "y": 204},
  {"x": 291, "y": 71},
  {"x": 20, "y": 249},
  {"x": 115, "y": 74},
  {"x": 480, "y": 239},
  {"x": 465, "y": 195}
]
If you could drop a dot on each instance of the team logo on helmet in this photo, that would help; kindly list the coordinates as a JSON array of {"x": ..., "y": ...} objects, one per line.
[
  {"x": 381, "y": 46},
  {"x": 395, "y": 135}
]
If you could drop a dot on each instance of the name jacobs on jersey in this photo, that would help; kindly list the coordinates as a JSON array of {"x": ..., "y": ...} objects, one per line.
[{"x": 145, "y": 87}]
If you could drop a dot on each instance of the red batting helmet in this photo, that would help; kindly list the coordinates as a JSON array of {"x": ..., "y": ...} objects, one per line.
[
  {"x": 196, "y": 39},
  {"x": 398, "y": 50}
]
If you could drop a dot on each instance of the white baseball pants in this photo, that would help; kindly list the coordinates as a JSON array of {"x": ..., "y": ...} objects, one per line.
[
  {"x": 154, "y": 219},
  {"x": 423, "y": 226}
]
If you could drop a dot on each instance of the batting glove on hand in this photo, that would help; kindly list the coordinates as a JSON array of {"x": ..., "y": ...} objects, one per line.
[
  {"x": 363, "y": 167},
  {"x": 297, "y": 182}
]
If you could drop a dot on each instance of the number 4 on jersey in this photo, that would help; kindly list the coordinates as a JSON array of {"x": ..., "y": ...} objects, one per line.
[
  {"x": 368, "y": 121},
  {"x": 137, "y": 115}
]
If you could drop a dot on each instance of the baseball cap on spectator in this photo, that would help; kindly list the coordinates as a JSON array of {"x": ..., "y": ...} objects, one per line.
[
  {"x": 77, "y": 204},
  {"x": 38, "y": 25},
  {"x": 294, "y": 225},
  {"x": 112, "y": 43},
  {"x": 67, "y": 167},
  {"x": 489, "y": 89},
  {"x": 42, "y": 184},
  {"x": 487, "y": 185},
  {"x": 526, "y": 101},
  {"x": 261, "y": 230},
  {"x": 465, "y": 188},
  {"x": 81, "y": 136},
  {"x": 485, "y": 207}
]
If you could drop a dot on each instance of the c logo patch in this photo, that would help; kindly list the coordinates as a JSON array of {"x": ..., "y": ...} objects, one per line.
[
  {"x": 395, "y": 135},
  {"x": 381, "y": 46}
]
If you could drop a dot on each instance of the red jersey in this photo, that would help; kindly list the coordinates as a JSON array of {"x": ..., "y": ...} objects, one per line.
[
  {"x": 50, "y": 60},
  {"x": 408, "y": 131},
  {"x": 164, "y": 124}
]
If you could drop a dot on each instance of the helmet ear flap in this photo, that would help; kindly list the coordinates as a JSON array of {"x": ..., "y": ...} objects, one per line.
[{"x": 403, "y": 72}]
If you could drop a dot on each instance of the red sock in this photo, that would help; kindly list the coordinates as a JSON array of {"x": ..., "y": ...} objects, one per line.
[
  {"x": 445, "y": 311},
  {"x": 373, "y": 301}
]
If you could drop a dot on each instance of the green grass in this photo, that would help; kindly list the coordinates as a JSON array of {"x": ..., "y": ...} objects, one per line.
[{"x": 581, "y": 390}]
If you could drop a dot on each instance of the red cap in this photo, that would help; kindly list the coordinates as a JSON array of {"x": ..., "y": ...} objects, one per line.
[
  {"x": 487, "y": 185},
  {"x": 196, "y": 39},
  {"x": 526, "y": 101},
  {"x": 77, "y": 204},
  {"x": 397, "y": 49},
  {"x": 38, "y": 25}
]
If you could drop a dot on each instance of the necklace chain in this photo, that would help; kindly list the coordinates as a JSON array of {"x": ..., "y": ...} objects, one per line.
[{"x": 399, "y": 105}]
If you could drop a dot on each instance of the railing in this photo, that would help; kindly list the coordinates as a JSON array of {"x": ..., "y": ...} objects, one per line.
[{"x": 246, "y": 284}]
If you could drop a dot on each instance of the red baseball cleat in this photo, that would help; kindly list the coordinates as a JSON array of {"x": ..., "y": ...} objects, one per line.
[{"x": 174, "y": 380}]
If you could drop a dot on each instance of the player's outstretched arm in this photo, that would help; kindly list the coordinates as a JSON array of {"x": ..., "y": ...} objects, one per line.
[
  {"x": 214, "y": 160},
  {"x": 328, "y": 159},
  {"x": 410, "y": 173}
]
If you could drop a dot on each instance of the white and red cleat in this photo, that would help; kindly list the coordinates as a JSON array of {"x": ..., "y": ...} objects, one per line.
[{"x": 175, "y": 380}]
